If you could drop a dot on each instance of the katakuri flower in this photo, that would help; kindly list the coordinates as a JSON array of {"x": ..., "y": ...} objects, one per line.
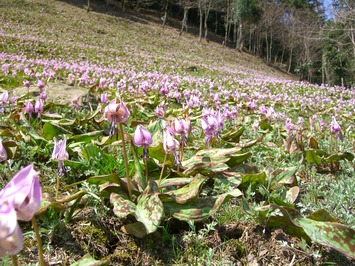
[
  {"x": 11, "y": 239},
  {"x": 60, "y": 155},
  {"x": 116, "y": 113},
  {"x": 23, "y": 192},
  {"x": 142, "y": 138},
  {"x": 171, "y": 145},
  {"x": 336, "y": 129}
]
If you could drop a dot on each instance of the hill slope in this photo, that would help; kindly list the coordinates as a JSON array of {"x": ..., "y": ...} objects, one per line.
[{"x": 136, "y": 43}]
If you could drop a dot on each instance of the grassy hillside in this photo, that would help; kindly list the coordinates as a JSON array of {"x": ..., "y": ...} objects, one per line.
[{"x": 266, "y": 173}]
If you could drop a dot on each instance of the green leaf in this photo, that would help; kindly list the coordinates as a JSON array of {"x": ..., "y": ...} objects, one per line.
[
  {"x": 312, "y": 157},
  {"x": 199, "y": 208},
  {"x": 150, "y": 210},
  {"x": 264, "y": 125},
  {"x": 340, "y": 156},
  {"x": 136, "y": 229},
  {"x": 101, "y": 179},
  {"x": 87, "y": 137},
  {"x": 233, "y": 135},
  {"x": 176, "y": 182},
  {"x": 51, "y": 130},
  {"x": 87, "y": 260},
  {"x": 251, "y": 178},
  {"x": 122, "y": 207},
  {"x": 189, "y": 191},
  {"x": 322, "y": 216},
  {"x": 239, "y": 158},
  {"x": 334, "y": 235},
  {"x": 286, "y": 175}
]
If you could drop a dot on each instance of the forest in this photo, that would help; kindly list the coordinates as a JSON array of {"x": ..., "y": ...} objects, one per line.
[{"x": 313, "y": 39}]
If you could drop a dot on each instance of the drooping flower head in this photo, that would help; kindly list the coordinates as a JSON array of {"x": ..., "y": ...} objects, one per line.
[
  {"x": 116, "y": 113},
  {"x": 336, "y": 129},
  {"x": 11, "y": 239},
  {"x": 23, "y": 192},
  {"x": 142, "y": 138},
  {"x": 171, "y": 145},
  {"x": 104, "y": 98},
  {"x": 182, "y": 127},
  {"x": 60, "y": 155},
  {"x": 38, "y": 107}
]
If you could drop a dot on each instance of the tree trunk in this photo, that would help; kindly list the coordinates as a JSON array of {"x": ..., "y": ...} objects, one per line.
[
  {"x": 207, "y": 12},
  {"x": 201, "y": 20},
  {"x": 165, "y": 17},
  {"x": 240, "y": 43},
  {"x": 226, "y": 24},
  {"x": 184, "y": 20},
  {"x": 290, "y": 61}
]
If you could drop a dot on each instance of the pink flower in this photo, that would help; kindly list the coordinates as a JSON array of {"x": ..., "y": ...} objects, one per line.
[
  {"x": 104, "y": 98},
  {"x": 38, "y": 107},
  {"x": 29, "y": 108},
  {"x": 27, "y": 84},
  {"x": 142, "y": 138},
  {"x": 116, "y": 113},
  {"x": 60, "y": 155},
  {"x": 24, "y": 192},
  {"x": 4, "y": 97},
  {"x": 40, "y": 85},
  {"x": 171, "y": 145},
  {"x": 11, "y": 239},
  {"x": 336, "y": 129}
]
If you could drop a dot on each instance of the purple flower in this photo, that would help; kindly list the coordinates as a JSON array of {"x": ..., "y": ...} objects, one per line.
[
  {"x": 4, "y": 97},
  {"x": 60, "y": 155},
  {"x": 336, "y": 129},
  {"x": 104, "y": 98},
  {"x": 11, "y": 239},
  {"x": 142, "y": 138},
  {"x": 27, "y": 84},
  {"x": 29, "y": 108},
  {"x": 24, "y": 192},
  {"x": 40, "y": 85},
  {"x": 182, "y": 127},
  {"x": 116, "y": 113},
  {"x": 171, "y": 145},
  {"x": 43, "y": 95},
  {"x": 38, "y": 107},
  {"x": 255, "y": 126}
]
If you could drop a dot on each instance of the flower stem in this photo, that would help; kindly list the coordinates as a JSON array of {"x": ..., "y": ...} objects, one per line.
[
  {"x": 14, "y": 260},
  {"x": 162, "y": 170},
  {"x": 129, "y": 186},
  {"x": 9, "y": 168},
  {"x": 146, "y": 169},
  {"x": 57, "y": 188},
  {"x": 39, "y": 241}
]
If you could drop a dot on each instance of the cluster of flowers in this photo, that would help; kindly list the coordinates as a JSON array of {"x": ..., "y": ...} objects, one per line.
[{"x": 19, "y": 200}]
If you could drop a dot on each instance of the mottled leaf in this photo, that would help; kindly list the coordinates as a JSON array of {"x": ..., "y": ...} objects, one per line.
[
  {"x": 334, "y": 235},
  {"x": 122, "y": 207},
  {"x": 286, "y": 175},
  {"x": 233, "y": 135},
  {"x": 200, "y": 208},
  {"x": 136, "y": 229},
  {"x": 150, "y": 210},
  {"x": 322, "y": 216},
  {"x": 292, "y": 194},
  {"x": 189, "y": 191}
]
